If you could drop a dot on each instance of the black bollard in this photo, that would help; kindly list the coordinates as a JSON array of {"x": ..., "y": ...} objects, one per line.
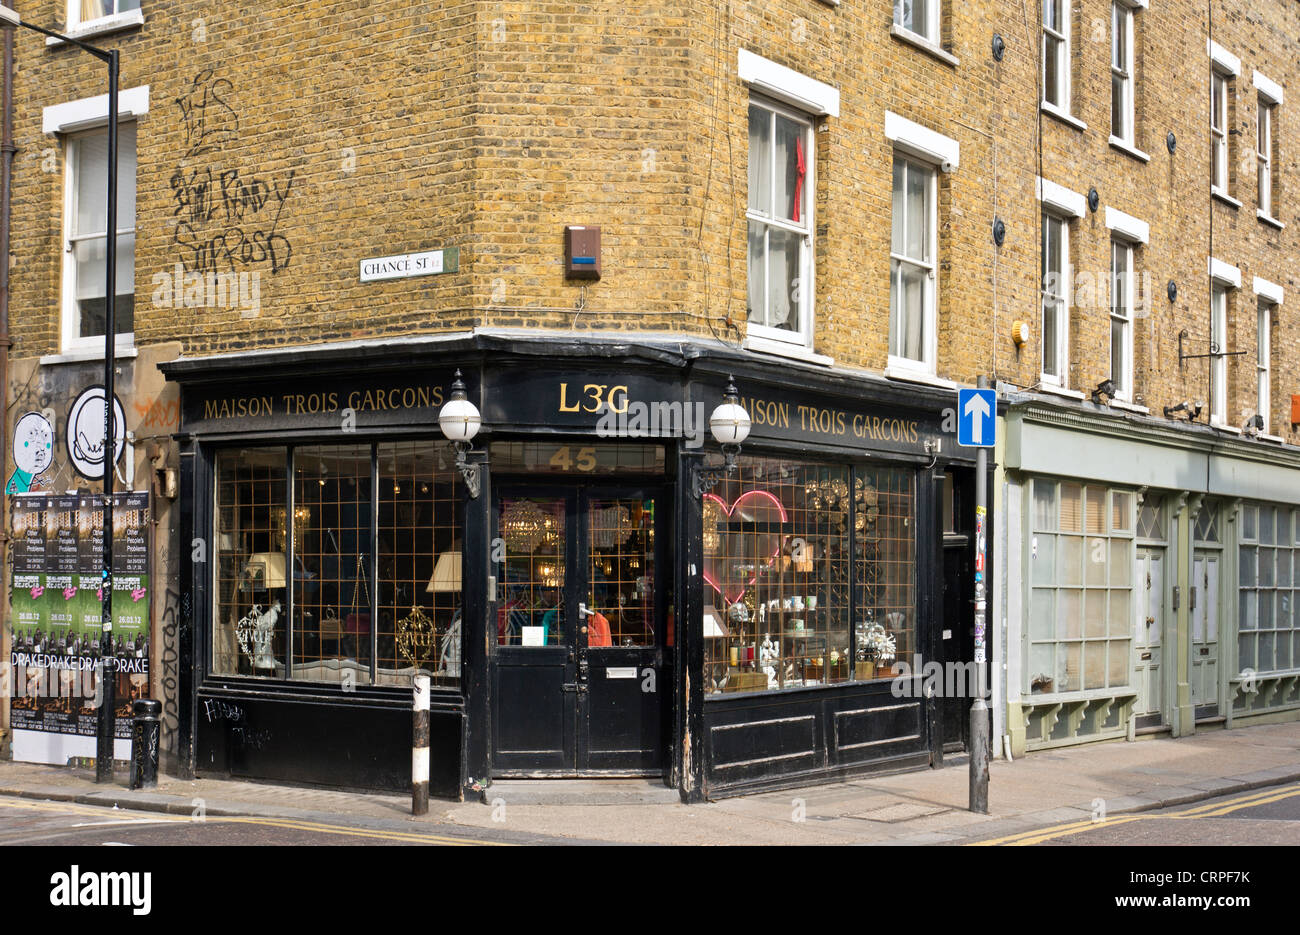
[{"x": 146, "y": 725}]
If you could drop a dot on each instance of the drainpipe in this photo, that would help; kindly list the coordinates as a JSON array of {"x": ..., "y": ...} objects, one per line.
[{"x": 7, "y": 151}]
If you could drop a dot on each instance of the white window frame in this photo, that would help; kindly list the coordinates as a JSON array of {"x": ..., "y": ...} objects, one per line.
[
  {"x": 1263, "y": 358},
  {"x": 65, "y": 119},
  {"x": 118, "y": 19},
  {"x": 1223, "y": 278},
  {"x": 1219, "y": 151},
  {"x": 929, "y": 311},
  {"x": 803, "y": 287},
  {"x": 1218, "y": 362},
  {"x": 71, "y": 340},
  {"x": 1122, "y": 17},
  {"x": 1264, "y": 155},
  {"x": 934, "y": 15},
  {"x": 1122, "y": 296},
  {"x": 926, "y": 148},
  {"x": 1061, "y": 36},
  {"x": 1061, "y": 301}
]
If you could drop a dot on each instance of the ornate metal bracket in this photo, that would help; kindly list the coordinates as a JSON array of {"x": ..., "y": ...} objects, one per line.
[
  {"x": 469, "y": 472},
  {"x": 705, "y": 479}
]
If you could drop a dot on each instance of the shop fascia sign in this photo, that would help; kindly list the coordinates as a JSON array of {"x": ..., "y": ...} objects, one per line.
[{"x": 409, "y": 265}]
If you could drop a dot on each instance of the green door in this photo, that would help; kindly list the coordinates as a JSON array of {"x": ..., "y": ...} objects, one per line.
[{"x": 1205, "y": 633}]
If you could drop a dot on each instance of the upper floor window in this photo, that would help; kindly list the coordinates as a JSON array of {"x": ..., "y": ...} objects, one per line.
[
  {"x": 920, "y": 17},
  {"x": 1224, "y": 68},
  {"x": 1121, "y": 72},
  {"x": 85, "y": 260},
  {"x": 1055, "y": 331},
  {"x": 1219, "y": 131},
  {"x": 83, "y": 12},
  {"x": 1218, "y": 362},
  {"x": 1056, "y": 54},
  {"x": 912, "y": 267},
  {"x": 1271, "y": 95},
  {"x": 1262, "y": 363},
  {"x": 780, "y": 222},
  {"x": 1121, "y": 317}
]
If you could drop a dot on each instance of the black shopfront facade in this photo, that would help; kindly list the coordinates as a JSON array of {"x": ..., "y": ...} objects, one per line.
[{"x": 592, "y": 591}]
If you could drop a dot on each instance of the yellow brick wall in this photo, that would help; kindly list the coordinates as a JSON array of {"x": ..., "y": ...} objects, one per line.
[{"x": 489, "y": 126}]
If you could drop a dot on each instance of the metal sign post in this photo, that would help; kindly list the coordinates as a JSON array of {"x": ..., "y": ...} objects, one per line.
[{"x": 979, "y": 711}]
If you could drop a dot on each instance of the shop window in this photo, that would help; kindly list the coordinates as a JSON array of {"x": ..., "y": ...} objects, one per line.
[
  {"x": 1268, "y": 638},
  {"x": 249, "y": 629},
  {"x": 363, "y": 559},
  {"x": 1081, "y": 588},
  {"x": 419, "y": 574},
  {"x": 794, "y": 551}
]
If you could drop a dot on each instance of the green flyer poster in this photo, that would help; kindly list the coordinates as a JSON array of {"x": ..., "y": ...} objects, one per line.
[
  {"x": 131, "y": 571},
  {"x": 61, "y": 576},
  {"x": 30, "y": 610},
  {"x": 90, "y": 548}
]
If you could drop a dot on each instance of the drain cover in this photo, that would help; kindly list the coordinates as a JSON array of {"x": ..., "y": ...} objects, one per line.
[{"x": 899, "y": 811}]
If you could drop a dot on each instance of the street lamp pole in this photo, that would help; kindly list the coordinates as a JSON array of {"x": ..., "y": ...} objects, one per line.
[{"x": 105, "y": 720}]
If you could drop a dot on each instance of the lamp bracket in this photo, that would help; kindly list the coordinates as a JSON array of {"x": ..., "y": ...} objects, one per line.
[
  {"x": 1214, "y": 351},
  {"x": 469, "y": 472}
]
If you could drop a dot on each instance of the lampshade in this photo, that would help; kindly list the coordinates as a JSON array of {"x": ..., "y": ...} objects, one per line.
[
  {"x": 459, "y": 418},
  {"x": 730, "y": 423},
  {"x": 446, "y": 573},
  {"x": 265, "y": 570}
]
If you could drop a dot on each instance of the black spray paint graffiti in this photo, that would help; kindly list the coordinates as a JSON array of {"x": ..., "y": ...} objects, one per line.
[
  {"x": 209, "y": 119},
  {"x": 169, "y": 663},
  {"x": 229, "y": 219}
]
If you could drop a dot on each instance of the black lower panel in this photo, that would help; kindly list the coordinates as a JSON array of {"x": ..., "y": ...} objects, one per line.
[
  {"x": 761, "y": 739},
  {"x": 352, "y": 745}
]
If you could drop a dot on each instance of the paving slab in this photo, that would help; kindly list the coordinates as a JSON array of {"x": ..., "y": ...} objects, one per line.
[{"x": 927, "y": 806}]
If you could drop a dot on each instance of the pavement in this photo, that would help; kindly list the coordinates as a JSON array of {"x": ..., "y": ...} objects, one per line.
[{"x": 923, "y": 807}]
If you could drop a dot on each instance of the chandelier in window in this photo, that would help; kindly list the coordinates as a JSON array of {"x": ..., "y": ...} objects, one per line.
[{"x": 525, "y": 526}]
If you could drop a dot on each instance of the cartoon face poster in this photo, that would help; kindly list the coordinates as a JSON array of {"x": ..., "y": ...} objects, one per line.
[{"x": 33, "y": 450}]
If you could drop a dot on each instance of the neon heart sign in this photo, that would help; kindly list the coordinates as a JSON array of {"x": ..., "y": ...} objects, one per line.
[{"x": 752, "y": 506}]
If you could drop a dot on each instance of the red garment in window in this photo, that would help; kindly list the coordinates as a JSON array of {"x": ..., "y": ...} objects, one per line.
[
  {"x": 798, "y": 182},
  {"x": 598, "y": 630}
]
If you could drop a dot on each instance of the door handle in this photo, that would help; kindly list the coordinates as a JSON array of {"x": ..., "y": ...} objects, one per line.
[
  {"x": 1192, "y": 604},
  {"x": 585, "y": 611}
]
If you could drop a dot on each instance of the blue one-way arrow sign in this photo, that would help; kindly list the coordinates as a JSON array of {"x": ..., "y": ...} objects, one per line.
[{"x": 977, "y": 420}]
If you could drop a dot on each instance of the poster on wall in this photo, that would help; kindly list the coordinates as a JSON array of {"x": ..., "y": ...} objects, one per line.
[{"x": 58, "y": 639}]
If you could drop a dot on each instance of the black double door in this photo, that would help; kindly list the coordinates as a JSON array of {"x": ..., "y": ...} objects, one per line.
[{"x": 578, "y": 673}]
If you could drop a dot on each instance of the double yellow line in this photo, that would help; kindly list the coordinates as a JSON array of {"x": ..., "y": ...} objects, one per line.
[
  {"x": 1215, "y": 810},
  {"x": 413, "y": 837}
]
